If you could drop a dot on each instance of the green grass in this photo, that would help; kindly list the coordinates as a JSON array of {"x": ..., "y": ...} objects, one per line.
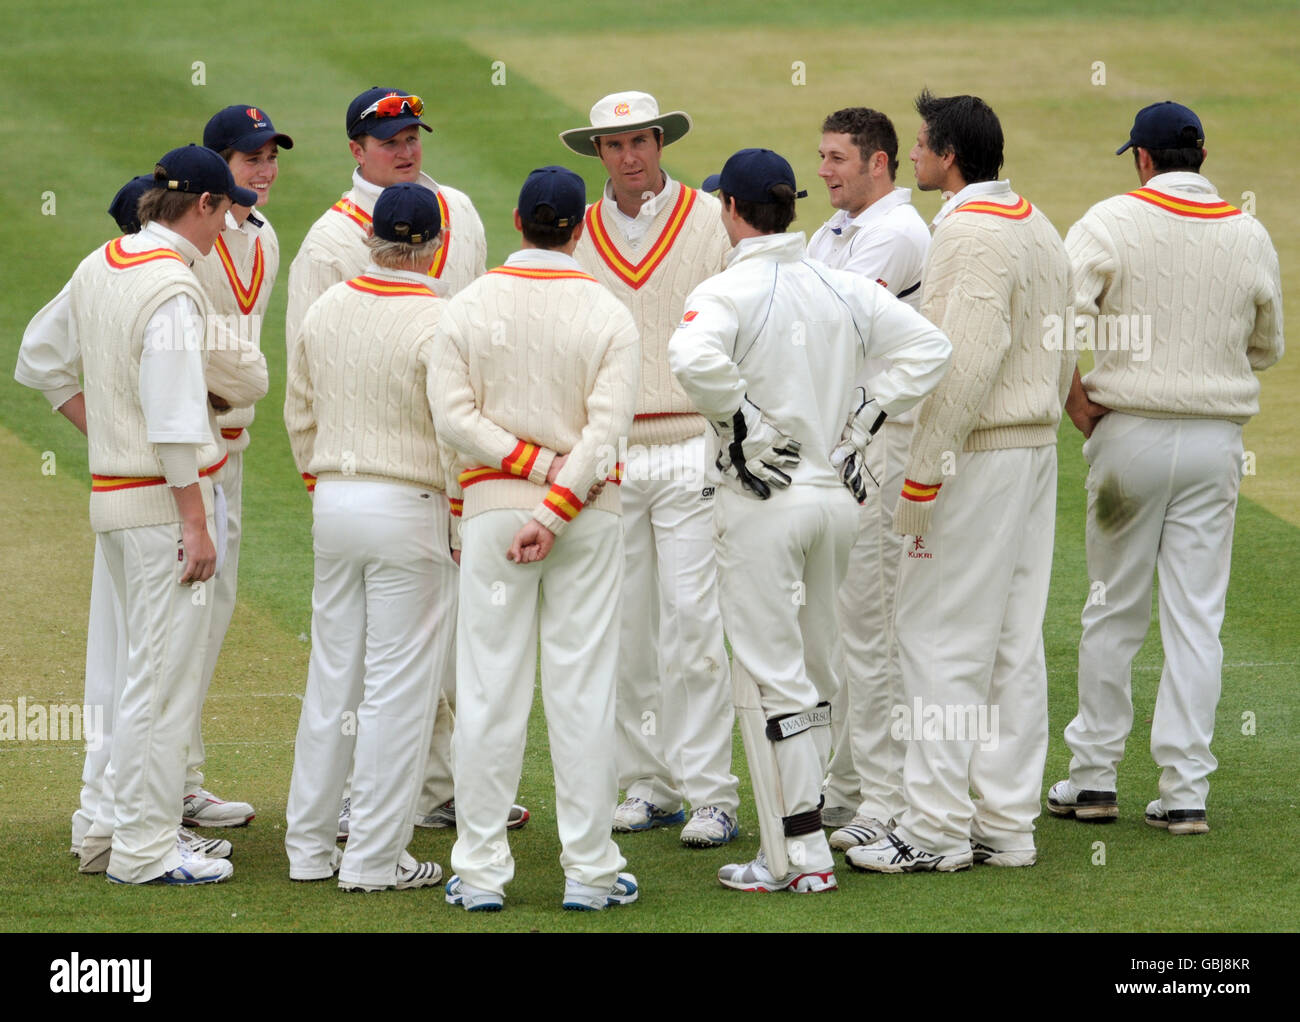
[{"x": 90, "y": 103}]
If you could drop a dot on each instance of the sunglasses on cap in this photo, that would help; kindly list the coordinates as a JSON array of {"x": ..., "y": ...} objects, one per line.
[{"x": 393, "y": 106}]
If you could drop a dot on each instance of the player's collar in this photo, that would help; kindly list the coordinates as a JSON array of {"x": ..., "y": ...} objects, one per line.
[
  {"x": 650, "y": 207},
  {"x": 1181, "y": 181},
  {"x": 406, "y": 277},
  {"x": 996, "y": 190},
  {"x": 154, "y": 234},
  {"x": 365, "y": 193},
  {"x": 547, "y": 257},
  {"x": 785, "y": 248},
  {"x": 842, "y": 223}
]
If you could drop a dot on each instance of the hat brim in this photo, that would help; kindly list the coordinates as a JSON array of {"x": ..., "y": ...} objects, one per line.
[
  {"x": 243, "y": 196},
  {"x": 254, "y": 140},
  {"x": 384, "y": 128},
  {"x": 1125, "y": 147},
  {"x": 674, "y": 125}
]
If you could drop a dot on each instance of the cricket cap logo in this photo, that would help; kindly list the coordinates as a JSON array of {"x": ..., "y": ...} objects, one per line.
[
  {"x": 255, "y": 114},
  {"x": 622, "y": 110},
  {"x": 917, "y": 544}
]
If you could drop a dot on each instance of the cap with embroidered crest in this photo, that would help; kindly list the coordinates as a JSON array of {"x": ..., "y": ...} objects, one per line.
[
  {"x": 750, "y": 174},
  {"x": 244, "y": 129},
  {"x": 1166, "y": 125},
  {"x": 625, "y": 111},
  {"x": 384, "y": 112}
]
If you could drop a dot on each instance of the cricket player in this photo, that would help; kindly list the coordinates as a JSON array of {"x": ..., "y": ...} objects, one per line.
[
  {"x": 1179, "y": 293},
  {"x": 383, "y": 128},
  {"x": 650, "y": 240},
  {"x": 979, "y": 509},
  {"x": 49, "y": 360},
  {"x": 237, "y": 276},
  {"x": 877, "y": 233},
  {"x": 384, "y": 600},
  {"x": 536, "y": 380},
  {"x": 138, "y": 315},
  {"x": 769, "y": 351}
]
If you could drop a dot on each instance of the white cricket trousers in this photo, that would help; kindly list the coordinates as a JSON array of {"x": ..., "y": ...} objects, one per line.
[
  {"x": 166, "y": 639},
  {"x": 571, "y": 599},
  {"x": 383, "y": 612},
  {"x": 223, "y": 587},
  {"x": 675, "y": 712},
  {"x": 105, "y": 671},
  {"x": 1162, "y": 498},
  {"x": 781, "y": 562},
  {"x": 866, "y": 767},
  {"x": 971, "y": 598}
]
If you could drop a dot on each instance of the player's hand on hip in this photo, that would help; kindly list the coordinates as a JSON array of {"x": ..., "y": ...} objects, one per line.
[
  {"x": 1082, "y": 410},
  {"x": 200, "y": 552},
  {"x": 849, "y": 456},
  {"x": 531, "y": 543},
  {"x": 755, "y": 452}
]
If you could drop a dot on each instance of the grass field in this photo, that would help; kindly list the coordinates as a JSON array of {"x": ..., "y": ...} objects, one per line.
[{"x": 92, "y": 99}]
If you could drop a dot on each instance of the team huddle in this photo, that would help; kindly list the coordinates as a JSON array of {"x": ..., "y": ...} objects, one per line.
[{"x": 665, "y": 419}]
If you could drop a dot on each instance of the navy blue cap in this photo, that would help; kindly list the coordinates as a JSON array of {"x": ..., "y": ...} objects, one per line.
[
  {"x": 242, "y": 128},
  {"x": 1166, "y": 125},
  {"x": 196, "y": 169},
  {"x": 125, "y": 204},
  {"x": 557, "y": 187},
  {"x": 381, "y": 126},
  {"x": 750, "y": 174},
  {"x": 407, "y": 212}
]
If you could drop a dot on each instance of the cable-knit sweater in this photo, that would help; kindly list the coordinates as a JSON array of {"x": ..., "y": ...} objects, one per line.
[
  {"x": 237, "y": 277},
  {"x": 684, "y": 246},
  {"x": 535, "y": 359},
  {"x": 112, "y": 299},
  {"x": 995, "y": 273},
  {"x": 334, "y": 249},
  {"x": 356, "y": 404},
  {"x": 1192, "y": 276}
]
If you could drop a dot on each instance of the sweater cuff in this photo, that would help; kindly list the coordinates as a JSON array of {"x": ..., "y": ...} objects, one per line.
[
  {"x": 915, "y": 505},
  {"x": 558, "y": 509},
  {"x": 528, "y": 461},
  {"x": 454, "y": 520},
  {"x": 310, "y": 481}
]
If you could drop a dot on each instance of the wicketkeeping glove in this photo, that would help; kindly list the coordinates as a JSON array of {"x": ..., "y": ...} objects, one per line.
[
  {"x": 850, "y": 454},
  {"x": 755, "y": 452}
]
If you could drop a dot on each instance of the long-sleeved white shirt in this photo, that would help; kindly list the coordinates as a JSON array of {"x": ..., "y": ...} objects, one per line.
[{"x": 792, "y": 335}]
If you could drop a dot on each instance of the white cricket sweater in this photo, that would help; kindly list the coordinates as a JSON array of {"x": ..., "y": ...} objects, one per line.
[
  {"x": 1195, "y": 279},
  {"x": 996, "y": 272},
  {"x": 684, "y": 245},
  {"x": 535, "y": 359},
  {"x": 112, "y": 297},
  {"x": 237, "y": 277},
  {"x": 356, "y": 403},
  {"x": 334, "y": 249}
]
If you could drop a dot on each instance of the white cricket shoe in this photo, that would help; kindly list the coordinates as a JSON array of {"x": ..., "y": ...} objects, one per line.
[
  {"x": 584, "y": 898},
  {"x": 1064, "y": 799},
  {"x": 709, "y": 826},
  {"x": 894, "y": 855},
  {"x": 638, "y": 814},
  {"x": 204, "y": 809},
  {"x": 472, "y": 899},
  {"x": 986, "y": 855},
  {"x": 209, "y": 847},
  {"x": 1177, "y": 821},
  {"x": 755, "y": 876},
  {"x": 193, "y": 869},
  {"x": 410, "y": 875},
  {"x": 345, "y": 819},
  {"x": 445, "y": 816},
  {"x": 863, "y": 830}
]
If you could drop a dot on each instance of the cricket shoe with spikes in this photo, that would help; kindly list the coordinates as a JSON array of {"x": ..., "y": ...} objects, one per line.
[
  {"x": 894, "y": 855},
  {"x": 755, "y": 876}
]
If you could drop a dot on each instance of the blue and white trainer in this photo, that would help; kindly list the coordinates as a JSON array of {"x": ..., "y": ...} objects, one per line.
[
  {"x": 709, "y": 826},
  {"x": 638, "y": 814},
  {"x": 472, "y": 899},
  {"x": 584, "y": 898}
]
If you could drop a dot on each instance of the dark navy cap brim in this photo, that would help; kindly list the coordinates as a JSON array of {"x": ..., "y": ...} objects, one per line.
[
  {"x": 384, "y": 128},
  {"x": 243, "y": 196},
  {"x": 254, "y": 140},
  {"x": 711, "y": 183}
]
